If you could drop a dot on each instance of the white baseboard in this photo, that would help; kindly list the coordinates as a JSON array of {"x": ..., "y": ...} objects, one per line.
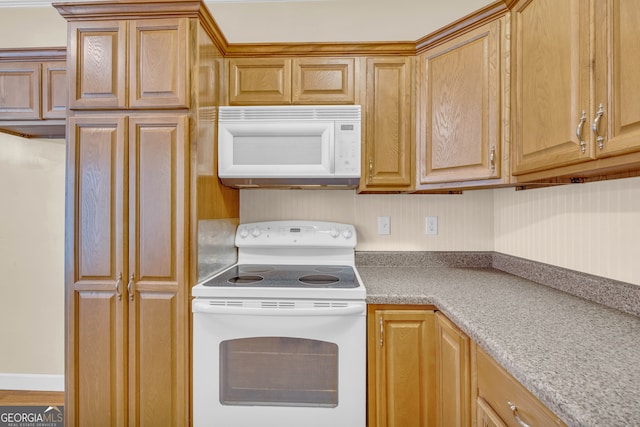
[{"x": 37, "y": 382}]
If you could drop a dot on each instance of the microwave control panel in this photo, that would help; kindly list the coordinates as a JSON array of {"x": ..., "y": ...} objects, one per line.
[{"x": 347, "y": 148}]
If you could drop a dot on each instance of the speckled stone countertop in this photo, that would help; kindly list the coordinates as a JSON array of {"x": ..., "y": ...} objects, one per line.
[{"x": 580, "y": 358}]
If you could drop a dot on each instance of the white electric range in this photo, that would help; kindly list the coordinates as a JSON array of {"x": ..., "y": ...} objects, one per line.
[{"x": 280, "y": 338}]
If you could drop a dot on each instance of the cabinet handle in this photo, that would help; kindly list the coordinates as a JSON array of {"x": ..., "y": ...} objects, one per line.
[
  {"x": 381, "y": 332},
  {"x": 596, "y": 123},
  {"x": 370, "y": 169},
  {"x": 492, "y": 159},
  {"x": 514, "y": 411},
  {"x": 118, "y": 281},
  {"x": 129, "y": 287},
  {"x": 583, "y": 118}
]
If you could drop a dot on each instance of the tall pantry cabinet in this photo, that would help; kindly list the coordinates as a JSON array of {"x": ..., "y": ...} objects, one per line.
[{"x": 144, "y": 87}]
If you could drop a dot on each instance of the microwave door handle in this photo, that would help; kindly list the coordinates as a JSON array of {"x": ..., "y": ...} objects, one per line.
[{"x": 205, "y": 307}]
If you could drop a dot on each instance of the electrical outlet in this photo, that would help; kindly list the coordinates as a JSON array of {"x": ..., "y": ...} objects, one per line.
[
  {"x": 431, "y": 225},
  {"x": 384, "y": 225}
]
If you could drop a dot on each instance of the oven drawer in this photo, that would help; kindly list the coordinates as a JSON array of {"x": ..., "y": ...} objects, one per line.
[{"x": 502, "y": 392}]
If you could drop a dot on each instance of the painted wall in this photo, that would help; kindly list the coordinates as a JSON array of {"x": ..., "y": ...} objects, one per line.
[
  {"x": 31, "y": 260},
  {"x": 17, "y": 25}
]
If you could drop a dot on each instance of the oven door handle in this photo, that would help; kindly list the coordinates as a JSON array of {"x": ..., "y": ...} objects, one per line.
[{"x": 205, "y": 307}]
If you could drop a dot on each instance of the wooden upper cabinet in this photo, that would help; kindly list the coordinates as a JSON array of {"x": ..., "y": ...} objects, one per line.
[
  {"x": 387, "y": 156},
  {"x": 462, "y": 115},
  {"x": 273, "y": 81},
  {"x": 259, "y": 81},
  {"x": 617, "y": 80},
  {"x": 20, "y": 91},
  {"x": 155, "y": 50},
  {"x": 551, "y": 79},
  {"x": 97, "y": 57},
  {"x": 158, "y": 63},
  {"x": 323, "y": 81},
  {"x": 55, "y": 87}
]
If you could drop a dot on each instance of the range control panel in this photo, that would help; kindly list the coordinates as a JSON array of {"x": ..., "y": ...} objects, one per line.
[{"x": 282, "y": 234}]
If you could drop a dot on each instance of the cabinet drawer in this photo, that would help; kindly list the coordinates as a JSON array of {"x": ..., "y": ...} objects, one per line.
[{"x": 497, "y": 387}]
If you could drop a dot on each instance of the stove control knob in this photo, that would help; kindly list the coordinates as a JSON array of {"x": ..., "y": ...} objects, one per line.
[
  {"x": 256, "y": 232},
  {"x": 244, "y": 233},
  {"x": 347, "y": 233},
  {"x": 334, "y": 232}
]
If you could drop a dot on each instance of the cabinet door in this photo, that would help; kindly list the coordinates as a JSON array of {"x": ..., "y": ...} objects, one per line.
[
  {"x": 158, "y": 63},
  {"x": 158, "y": 226},
  {"x": 95, "y": 273},
  {"x": 96, "y": 59},
  {"x": 20, "y": 91},
  {"x": 387, "y": 160},
  {"x": 617, "y": 61},
  {"x": 461, "y": 107},
  {"x": 487, "y": 416},
  {"x": 54, "y": 90},
  {"x": 551, "y": 79},
  {"x": 259, "y": 81},
  {"x": 400, "y": 380},
  {"x": 453, "y": 376},
  {"x": 323, "y": 81}
]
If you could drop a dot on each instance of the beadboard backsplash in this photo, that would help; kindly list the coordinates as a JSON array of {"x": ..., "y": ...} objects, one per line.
[
  {"x": 593, "y": 228},
  {"x": 465, "y": 222}
]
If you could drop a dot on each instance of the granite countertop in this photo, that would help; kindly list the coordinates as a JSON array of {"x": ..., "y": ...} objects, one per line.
[{"x": 580, "y": 358}]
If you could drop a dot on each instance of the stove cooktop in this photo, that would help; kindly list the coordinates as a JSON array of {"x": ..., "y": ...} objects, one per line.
[{"x": 286, "y": 276}]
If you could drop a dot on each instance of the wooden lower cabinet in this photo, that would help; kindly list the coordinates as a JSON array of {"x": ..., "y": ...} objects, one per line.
[
  {"x": 424, "y": 371},
  {"x": 453, "y": 374},
  {"x": 127, "y": 300},
  {"x": 486, "y": 416},
  {"x": 400, "y": 369},
  {"x": 503, "y": 401}
]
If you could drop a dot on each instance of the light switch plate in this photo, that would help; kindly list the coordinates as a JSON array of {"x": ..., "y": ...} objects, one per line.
[
  {"x": 384, "y": 225},
  {"x": 431, "y": 225}
]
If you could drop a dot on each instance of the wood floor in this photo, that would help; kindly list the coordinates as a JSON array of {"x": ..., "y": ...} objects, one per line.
[{"x": 31, "y": 398}]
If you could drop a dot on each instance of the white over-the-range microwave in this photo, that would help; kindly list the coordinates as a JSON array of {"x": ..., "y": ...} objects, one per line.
[{"x": 315, "y": 146}]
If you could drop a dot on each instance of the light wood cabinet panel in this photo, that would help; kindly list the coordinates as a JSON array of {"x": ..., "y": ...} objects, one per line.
[
  {"x": 158, "y": 63},
  {"x": 273, "y": 81},
  {"x": 95, "y": 291},
  {"x": 497, "y": 387},
  {"x": 97, "y": 57},
  {"x": 387, "y": 156},
  {"x": 259, "y": 81},
  {"x": 551, "y": 83},
  {"x": 453, "y": 375},
  {"x": 54, "y": 90},
  {"x": 575, "y": 69},
  {"x": 323, "y": 81},
  {"x": 487, "y": 416},
  {"x": 617, "y": 81},
  {"x": 462, "y": 110},
  {"x": 20, "y": 90},
  {"x": 156, "y": 74},
  {"x": 33, "y": 92},
  {"x": 158, "y": 321},
  {"x": 401, "y": 361}
]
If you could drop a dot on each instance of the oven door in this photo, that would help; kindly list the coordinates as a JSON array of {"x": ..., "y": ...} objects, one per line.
[{"x": 279, "y": 363}]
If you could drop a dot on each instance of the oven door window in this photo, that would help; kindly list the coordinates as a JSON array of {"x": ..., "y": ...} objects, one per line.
[{"x": 278, "y": 371}]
